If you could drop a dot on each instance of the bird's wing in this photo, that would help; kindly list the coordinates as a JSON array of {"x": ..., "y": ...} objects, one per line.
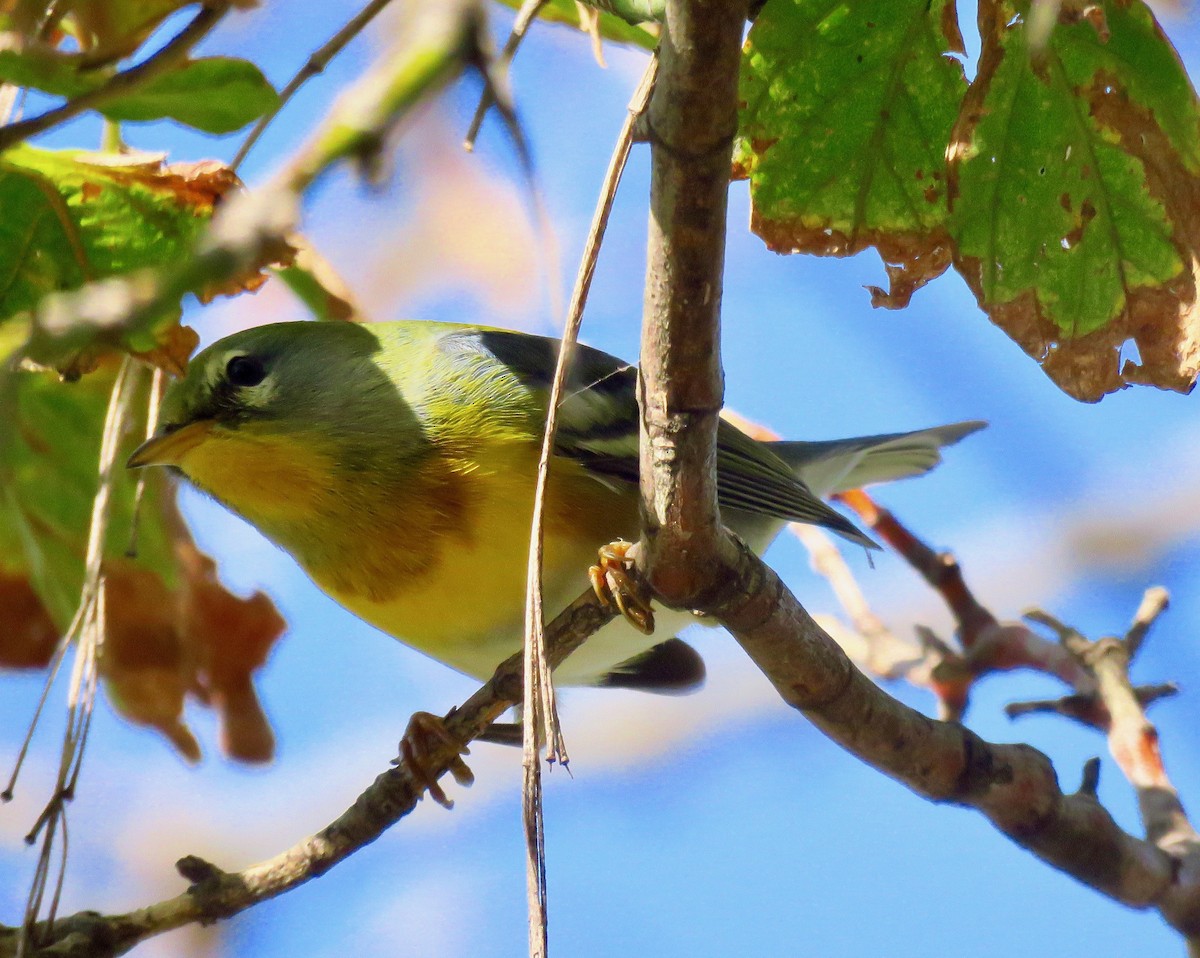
[
  {"x": 669, "y": 668},
  {"x": 841, "y": 464},
  {"x": 598, "y": 428}
]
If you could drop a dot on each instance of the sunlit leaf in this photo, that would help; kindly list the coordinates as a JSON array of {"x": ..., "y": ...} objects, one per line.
[
  {"x": 1075, "y": 196},
  {"x": 214, "y": 94},
  {"x": 846, "y": 111},
  {"x": 73, "y": 217}
]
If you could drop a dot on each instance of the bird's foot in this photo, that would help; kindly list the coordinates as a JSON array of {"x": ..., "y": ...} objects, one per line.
[
  {"x": 425, "y": 734},
  {"x": 613, "y": 585}
]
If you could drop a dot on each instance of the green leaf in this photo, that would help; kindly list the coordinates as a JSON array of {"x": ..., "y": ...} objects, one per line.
[
  {"x": 846, "y": 111},
  {"x": 71, "y": 217},
  {"x": 40, "y": 243},
  {"x": 46, "y": 69},
  {"x": 1074, "y": 177},
  {"x": 619, "y": 29},
  {"x": 213, "y": 94},
  {"x": 50, "y": 445}
]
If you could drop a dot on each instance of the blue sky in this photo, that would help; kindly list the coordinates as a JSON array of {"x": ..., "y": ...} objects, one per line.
[{"x": 708, "y": 825}]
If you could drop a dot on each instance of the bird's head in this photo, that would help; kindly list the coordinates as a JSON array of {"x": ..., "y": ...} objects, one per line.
[{"x": 271, "y": 411}]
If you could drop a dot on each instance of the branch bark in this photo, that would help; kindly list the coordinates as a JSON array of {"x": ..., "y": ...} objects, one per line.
[
  {"x": 690, "y": 561},
  {"x": 690, "y": 125}
]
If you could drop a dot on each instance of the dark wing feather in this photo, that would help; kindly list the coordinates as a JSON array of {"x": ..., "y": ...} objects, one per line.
[{"x": 598, "y": 424}]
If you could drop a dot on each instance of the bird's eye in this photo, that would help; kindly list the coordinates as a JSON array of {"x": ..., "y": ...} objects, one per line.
[{"x": 245, "y": 371}]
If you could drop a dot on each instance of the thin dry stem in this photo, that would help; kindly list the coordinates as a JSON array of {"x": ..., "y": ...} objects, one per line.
[
  {"x": 87, "y": 631},
  {"x": 541, "y": 720}
]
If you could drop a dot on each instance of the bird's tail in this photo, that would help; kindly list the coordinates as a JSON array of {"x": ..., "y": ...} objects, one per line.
[{"x": 841, "y": 464}]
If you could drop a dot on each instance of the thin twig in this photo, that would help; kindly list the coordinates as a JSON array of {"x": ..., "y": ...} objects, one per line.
[
  {"x": 540, "y": 721},
  {"x": 987, "y": 644},
  {"x": 216, "y": 895},
  {"x": 1133, "y": 742},
  {"x": 314, "y": 66},
  {"x": 161, "y": 62},
  {"x": 525, "y": 16}
]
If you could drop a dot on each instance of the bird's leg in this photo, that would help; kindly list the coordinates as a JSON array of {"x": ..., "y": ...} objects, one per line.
[
  {"x": 613, "y": 585},
  {"x": 425, "y": 733}
]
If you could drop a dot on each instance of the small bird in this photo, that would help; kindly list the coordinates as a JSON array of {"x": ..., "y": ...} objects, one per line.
[{"x": 396, "y": 462}]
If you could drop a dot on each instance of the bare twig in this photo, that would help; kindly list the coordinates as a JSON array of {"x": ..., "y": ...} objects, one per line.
[
  {"x": 940, "y": 569},
  {"x": 884, "y": 654},
  {"x": 161, "y": 62},
  {"x": 487, "y": 99},
  {"x": 1133, "y": 741},
  {"x": 987, "y": 644},
  {"x": 313, "y": 66},
  {"x": 1088, "y": 708},
  {"x": 1013, "y": 785}
]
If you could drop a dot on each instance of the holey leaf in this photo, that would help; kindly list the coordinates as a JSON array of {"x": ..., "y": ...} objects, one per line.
[
  {"x": 1075, "y": 202},
  {"x": 847, "y": 106},
  {"x": 172, "y": 630}
]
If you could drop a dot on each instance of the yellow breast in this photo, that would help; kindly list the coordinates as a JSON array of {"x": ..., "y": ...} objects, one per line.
[
  {"x": 438, "y": 562},
  {"x": 465, "y": 604}
]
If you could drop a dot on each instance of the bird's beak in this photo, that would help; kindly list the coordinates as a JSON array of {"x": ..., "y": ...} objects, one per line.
[{"x": 169, "y": 448}]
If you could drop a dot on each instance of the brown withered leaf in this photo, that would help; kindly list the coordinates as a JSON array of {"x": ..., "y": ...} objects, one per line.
[
  {"x": 175, "y": 345},
  {"x": 197, "y": 638},
  {"x": 27, "y": 633},
  {"x": 232, "y": 637},
  {"x": 277, "y": 253},
  {"x": 173, "y": 632}
]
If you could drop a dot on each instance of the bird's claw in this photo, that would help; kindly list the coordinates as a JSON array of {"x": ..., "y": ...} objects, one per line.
[
  {"x": 613, "y": 585},
  {"x": 425, "y": 734}
]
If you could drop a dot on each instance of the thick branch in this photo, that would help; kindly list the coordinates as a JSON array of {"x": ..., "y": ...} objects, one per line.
[
  {"x": 690, "y": 561},
  {"x": 690, "y": 124}
]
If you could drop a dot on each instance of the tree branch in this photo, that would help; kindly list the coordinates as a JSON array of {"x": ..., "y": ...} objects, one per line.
[
  {"x": 690, "y": 561},
  {"x": 216, "y": 894},
  {"x": 690, "y": 124},
  {"x": 1015, "y": 786},
  {"x": 987, "y": 644}
]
